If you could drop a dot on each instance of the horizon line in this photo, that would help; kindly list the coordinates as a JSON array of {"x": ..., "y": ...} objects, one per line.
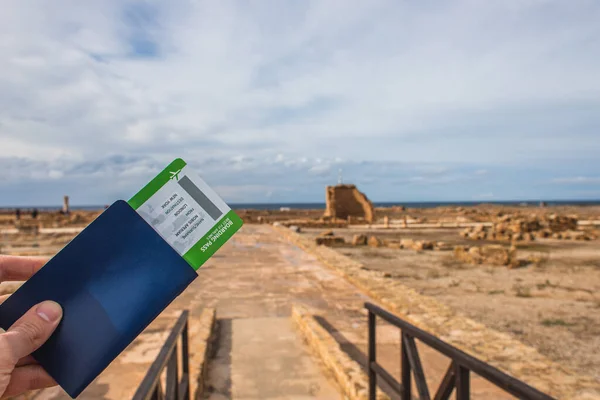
[{"x": 392, "y": 202}]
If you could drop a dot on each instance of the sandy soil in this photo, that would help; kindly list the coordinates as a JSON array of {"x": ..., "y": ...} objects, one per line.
[
  {"x": 34, "y": 245},
  {"x": 553, "y": 306}
]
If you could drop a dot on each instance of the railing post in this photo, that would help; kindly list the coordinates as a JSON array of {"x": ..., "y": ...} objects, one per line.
[
  {"x": 372, "y": 357},
  {"x": 173, "y": 376},
  {"x": 457, "y": 377},
  {"x": 406, "y": 381},
  {"x": 157, "y": 394},
  {"x": 463, "y": 385},
  {"x": 151, "y": 387}
]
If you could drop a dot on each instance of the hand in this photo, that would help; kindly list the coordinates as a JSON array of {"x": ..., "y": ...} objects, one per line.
[{"x": 19, "y": 372}]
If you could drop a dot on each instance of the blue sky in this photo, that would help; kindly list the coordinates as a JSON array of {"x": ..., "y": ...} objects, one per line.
[{"x": 413, "y": 101}]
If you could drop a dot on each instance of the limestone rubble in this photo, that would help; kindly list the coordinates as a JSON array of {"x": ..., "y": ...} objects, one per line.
[
  {"x": 490, "y": 254},
  {"x": 528, "y": 228}
]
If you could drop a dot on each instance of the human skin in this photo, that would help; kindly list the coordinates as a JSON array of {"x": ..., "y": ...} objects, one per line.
[{"x": 19, "y": 372}]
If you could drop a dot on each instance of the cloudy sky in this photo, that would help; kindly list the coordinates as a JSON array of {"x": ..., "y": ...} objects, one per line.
[{"x": 412, "y": 100}]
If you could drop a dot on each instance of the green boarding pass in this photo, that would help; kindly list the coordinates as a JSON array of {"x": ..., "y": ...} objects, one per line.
[{"x": 186, "y": 212}]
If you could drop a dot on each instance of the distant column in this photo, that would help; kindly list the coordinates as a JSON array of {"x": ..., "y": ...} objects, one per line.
[
  {"x": 65, "y": 207},
  {"x": 386, "y": 222}
]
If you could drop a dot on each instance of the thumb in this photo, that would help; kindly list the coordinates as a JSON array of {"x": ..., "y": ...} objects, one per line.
[{"x": 31, "y": 330}]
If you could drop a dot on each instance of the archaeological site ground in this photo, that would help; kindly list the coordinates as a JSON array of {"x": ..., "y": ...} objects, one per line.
[{"x": 278, "y": 313}]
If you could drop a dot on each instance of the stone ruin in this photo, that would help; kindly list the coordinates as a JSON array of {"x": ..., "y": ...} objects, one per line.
[
  {"x": 519, "y": 227},
  {"x": 310, "y": 223},
  {"x": 491, "y": 254},
  {"x": 328, "y": 238},
  {"x": 488, "y": 254},
  {"x": 346, "y": 201},
  {"x": 65, "y": 208},
  {"x": 418, "y": 245}
]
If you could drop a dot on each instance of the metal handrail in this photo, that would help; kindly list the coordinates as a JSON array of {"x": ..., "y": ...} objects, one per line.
[
  {"x": 176, "y": 389},
  {"x": 457, "y": 376}
]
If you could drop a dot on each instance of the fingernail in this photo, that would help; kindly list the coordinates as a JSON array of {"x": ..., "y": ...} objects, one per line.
[{"x": 49, "y": 311}]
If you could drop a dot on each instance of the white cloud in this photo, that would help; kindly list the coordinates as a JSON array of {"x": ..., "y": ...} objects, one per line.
[
  {"x": 283, "y": 83},
  {"x": 243, "y": 179},
  {"x": 321, "y": 169}
]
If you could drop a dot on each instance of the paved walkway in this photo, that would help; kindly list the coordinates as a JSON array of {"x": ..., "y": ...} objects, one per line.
[
  {"x": 252, "y": 283},
  {"x": 263, "y": 358}
]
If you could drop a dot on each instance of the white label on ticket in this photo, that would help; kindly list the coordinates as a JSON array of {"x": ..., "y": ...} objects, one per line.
[{"x": 183, "y": 210}]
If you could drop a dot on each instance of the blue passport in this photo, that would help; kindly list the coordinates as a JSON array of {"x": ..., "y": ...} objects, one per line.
[
  {"x": 120, "y": 272},
  {"x": 112, "y": 280}
]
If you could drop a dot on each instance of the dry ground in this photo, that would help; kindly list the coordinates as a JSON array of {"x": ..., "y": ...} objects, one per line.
[{"x": 554, "y": 306}]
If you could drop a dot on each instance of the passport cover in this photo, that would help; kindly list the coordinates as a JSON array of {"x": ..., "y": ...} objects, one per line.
[{"x": 112, "y": 280}]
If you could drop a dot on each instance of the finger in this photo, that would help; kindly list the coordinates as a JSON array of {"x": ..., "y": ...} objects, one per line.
[
  {"x": 31, "y": 330},
  {"x": 27, "y": 360},
  {"x": 29, "y": 377},
  {"x": 13, "y": 268},
  {"x": 3, "y": 298}
]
